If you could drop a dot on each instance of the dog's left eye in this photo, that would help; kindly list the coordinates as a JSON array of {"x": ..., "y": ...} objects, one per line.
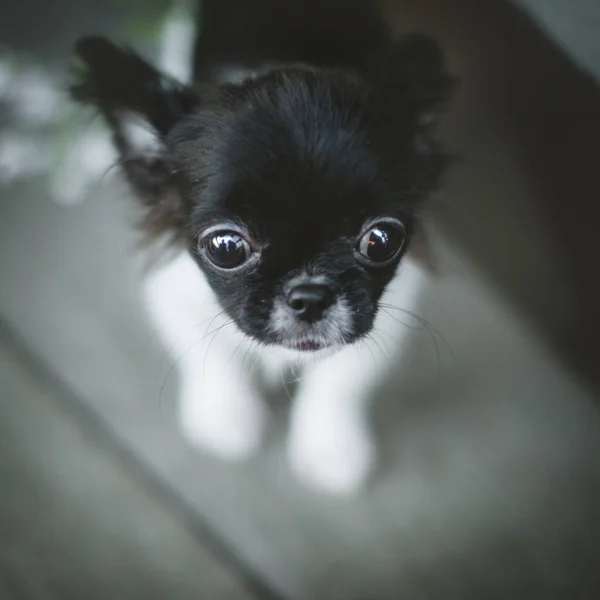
[
  {"x": 226, "y": 249},
  {"x": 381, "y": 243}
]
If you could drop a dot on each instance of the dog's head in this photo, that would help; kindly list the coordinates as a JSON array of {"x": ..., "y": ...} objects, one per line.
[{"x": 297, "y": 192}]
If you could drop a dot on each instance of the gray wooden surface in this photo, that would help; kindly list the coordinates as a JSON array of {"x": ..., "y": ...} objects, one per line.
[
  {"x": 498, "y": 414},
  {"x": 74, "y": 522},
  {"x": 489, "y": 485}
]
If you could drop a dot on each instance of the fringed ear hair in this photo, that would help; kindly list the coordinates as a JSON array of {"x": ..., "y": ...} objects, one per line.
[
  {"x": 141, "y": 105},
  {"x": 118, "y": 79},
  {"x": 412, "y": 81},
  {"x": 410, "y": 89}
]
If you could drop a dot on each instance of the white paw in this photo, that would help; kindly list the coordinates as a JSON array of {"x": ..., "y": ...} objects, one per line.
[
  {"x": 337, "y": 460},
  {"x": 232, "y": 431}
]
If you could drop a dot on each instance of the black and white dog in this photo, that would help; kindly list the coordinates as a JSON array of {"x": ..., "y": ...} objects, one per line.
[{"x": 290, "y": 176}]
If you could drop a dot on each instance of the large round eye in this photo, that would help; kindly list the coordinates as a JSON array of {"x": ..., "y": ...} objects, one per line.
[
  {"x": 382, "y": 242},
  {"x": 226, "y": 249}
]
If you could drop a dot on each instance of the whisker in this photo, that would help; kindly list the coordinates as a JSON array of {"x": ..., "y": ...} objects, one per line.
[
  {"x": 210, "y": 343},
  {"x": 255, "y": 363},
  {"x": 378, "y": 345},
  {"x": 432, "y": 332},
  {"x": 108, "y": 171},
  {"x": 424, "y": 322},
  {"x": 180, "y": 338},
  {"x": 366, "y": 345},
  {"x": 285, "y": 383},
  {"x": 178, "y": 361},
  {"x": 247, "y": 356},
  {"x": 169, "y": 352},
  {"x": 390, "y": 306},
  {"x": 297, "y": 377},
  {"x": 235, "y": 351}
]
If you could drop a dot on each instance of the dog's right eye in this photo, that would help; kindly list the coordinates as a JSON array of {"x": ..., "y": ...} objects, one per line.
[
  {"x": 226, "y": 249},
  {"x": 381, "y": 243}
]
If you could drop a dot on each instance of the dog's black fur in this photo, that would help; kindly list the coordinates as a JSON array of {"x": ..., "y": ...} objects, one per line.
[
  {"x": 254, "y": 33},
  {"x": 333, "y": 134}
]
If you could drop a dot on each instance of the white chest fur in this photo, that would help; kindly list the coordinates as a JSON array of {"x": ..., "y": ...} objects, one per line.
[{"x": 220, "y": 406}]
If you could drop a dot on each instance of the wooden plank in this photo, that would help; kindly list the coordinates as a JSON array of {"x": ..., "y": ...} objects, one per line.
[
  {"x": 74, "y": 523},
  {"x": 455, "y": 506}
]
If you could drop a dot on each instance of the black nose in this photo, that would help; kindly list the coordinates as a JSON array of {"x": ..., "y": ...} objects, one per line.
[{"x": 309, "y": 301}]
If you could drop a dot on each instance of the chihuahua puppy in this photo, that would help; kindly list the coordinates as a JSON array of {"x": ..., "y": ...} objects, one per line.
[{"x": 290, "y": 178}]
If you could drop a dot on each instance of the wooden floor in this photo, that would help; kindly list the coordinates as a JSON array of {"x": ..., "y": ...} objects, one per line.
[
  {"x": 110, "y": 458},
  {"x": 490, "y": 477},
  {"x": 78, "y": 521}
]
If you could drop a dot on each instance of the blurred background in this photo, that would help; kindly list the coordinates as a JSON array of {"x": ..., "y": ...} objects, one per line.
[{"x": 490, "y": 434}]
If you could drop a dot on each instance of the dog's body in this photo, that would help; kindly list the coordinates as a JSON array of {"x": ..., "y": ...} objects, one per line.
[
  {"x": 220, "y": 404},
  {"x": 291, "y": 180}
]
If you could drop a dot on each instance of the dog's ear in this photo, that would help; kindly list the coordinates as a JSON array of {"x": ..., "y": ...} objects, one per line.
[
  {"x": 409, "y": 91},
  {"x": 141, "y": 106},
  {"x": 412, "y": 82}
]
